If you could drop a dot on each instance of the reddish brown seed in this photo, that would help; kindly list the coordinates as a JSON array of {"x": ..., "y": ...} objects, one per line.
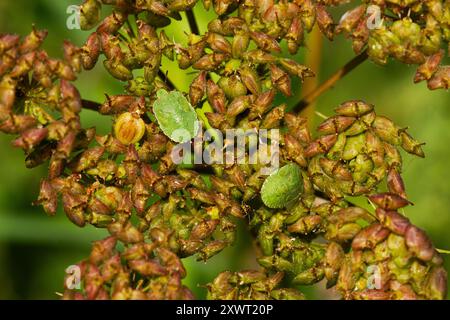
[
  {"x": 210, "y": 62},
  {"x": 372, "y": 294},
  {"x": 393, "y": 221},
  {"x": 320, "y": 145},
  {"x": 30, "y": 138},
  {"x": 197, "y": 88},
  {"x": 216, "y": 96},
  {"x": 238, "y": 105},
  {"x": 102, "y": 249},
  {"x": 335, "y": 124},
  {"x": 294, "y": 35},
  {"x": 389, "y": 201},
  {"x": 353, "y": 108},
  {"x": 203, "y": 229},
  {"x": 91, "y": 51},
  {"x": 33, "y": 41},
  {"x": 116, "y": 104},
  {"x": 426, "y": 70},
  {"x": 218, "y": 43},
  {"x": 147, "y": 267},
  {"x": 325, "y": 21},
  {"x": 369, "y": 237},
  {"x": 419, "y": 243},
  {"x": 70, "y": 96},
  {"x": 112, "y": 23},
  {"x": 281, "y": 80},
  {"x": 395, "y": 182},
  {"x": 250, "y": 79},
  {"x": 437, "y": 284},
  {"x": 335, "y": 169},
  {"x": 265, "y": 42},
  {"x": 350, "y": 19},
  {"x": 294, "y": 150},
  {"x": 441, "y": 79},
  {"x": 48, "y": 197}
]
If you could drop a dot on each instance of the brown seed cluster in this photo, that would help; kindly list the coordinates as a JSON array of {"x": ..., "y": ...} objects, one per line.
[
  {"x": 142, "y": 271},
  {"x": 127, "y": 182}
]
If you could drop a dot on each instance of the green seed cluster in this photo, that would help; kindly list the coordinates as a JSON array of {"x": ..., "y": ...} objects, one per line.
[
  {"x": 126, "y": 181},
  {"x": 396, "y": 256},
  {"x": 250, "y": 285},
  {"x": 357, "y": 150}
]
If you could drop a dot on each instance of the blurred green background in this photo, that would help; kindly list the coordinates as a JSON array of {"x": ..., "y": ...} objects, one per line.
[{"x": 35, "y": 249}]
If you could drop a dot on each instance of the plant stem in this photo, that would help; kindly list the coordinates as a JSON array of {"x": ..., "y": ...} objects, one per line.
[
  {"x": 166, "y": 79},
  {"x": 313, "y": 60},
  {"x": 91, "y": 105},
  {"x": 192, "y": 21},
  {"x": 312, "y": 96}
]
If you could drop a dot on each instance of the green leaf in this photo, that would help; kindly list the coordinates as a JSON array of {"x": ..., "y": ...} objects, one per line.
[
  {"x": 175, "y": 115},
  {"x": 282, "y": 186}
]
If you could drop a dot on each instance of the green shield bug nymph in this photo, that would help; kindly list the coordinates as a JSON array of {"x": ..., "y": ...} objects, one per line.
[
  {"x": 282, "y": 187},
  {"x": 175, "y": 115}
]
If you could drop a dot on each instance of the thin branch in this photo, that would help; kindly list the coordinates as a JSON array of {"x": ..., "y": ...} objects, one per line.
[
  {"x": 313, "y": 60},
  {"x": 312, "y": 96},
  {"x": 91, "y": 105},
  {"x": 192, "y": 22},
  {"x": 166, "y": 79}
]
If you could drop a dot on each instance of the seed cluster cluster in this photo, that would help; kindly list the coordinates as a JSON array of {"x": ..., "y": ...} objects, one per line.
[{"x": 160, "y": 212}]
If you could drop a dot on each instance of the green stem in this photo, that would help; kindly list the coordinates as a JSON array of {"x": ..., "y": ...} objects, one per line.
[{"x": 331, "y": 81}]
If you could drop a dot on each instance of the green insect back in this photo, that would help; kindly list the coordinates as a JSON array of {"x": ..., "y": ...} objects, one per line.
[
  {"x": 282, "y": 187},
  {"x": 175, "y": 115}
]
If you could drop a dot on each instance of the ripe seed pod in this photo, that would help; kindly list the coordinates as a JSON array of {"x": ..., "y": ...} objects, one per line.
[
  {"x": 296, "y": 69},
  {"x": 91, "y": 51},
  {"x": 265, "y": 42},
  {"x": 350, "y": 19},
  {"x": 239, "y": 44},
  {"x": 129, "y": 128},
  {"x": 335, "y": 169},
  {"x": 218, "y": 43},
  {"x": 369, "y": 237},
  {"x": 250, "y": 79},
  {"x": 441, "y": 79},
  {"x": 335, "y": 124},
  {"x": 353, "y": 108},
  {"x": 294, "y": 35},
  {"x": 419, "y": 243},
  {"x": 216, "y": 96},
  {"x": 320, "y": 145},
  {"x": 393, "y": 221},
  {"x": 197, "y": 88},
  {"x": 325, "y": 21},
  {"x": 395, "y": 183},
  {"x": 281, "y": 80},
  {"x": 410, "y": 145},
  {"x": 389, "y": 201},
  {"x": 89, "y": 14},
  {"x": 429, "y": 67},
  {"x": 386, "y": 130}
]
